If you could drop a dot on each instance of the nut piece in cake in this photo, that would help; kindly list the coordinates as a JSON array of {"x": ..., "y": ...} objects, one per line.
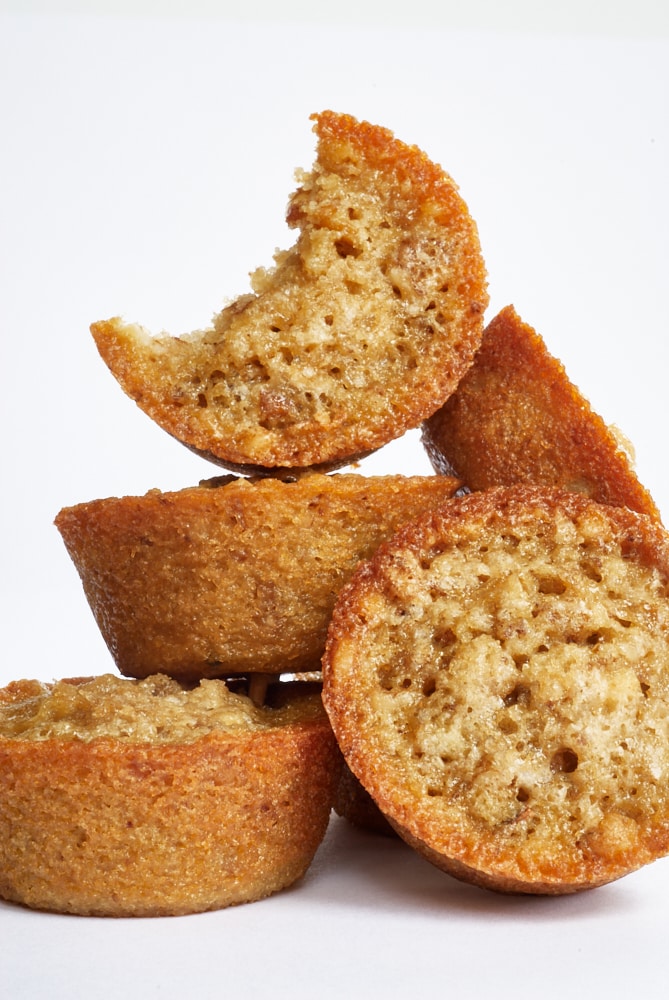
[
  {"x": 233, "y": 578},
  {"x": 141, "y": 798},
  {"x": 497, "y": 677},
  {"x": 516, "y": 417},
  {"x": 357, "y": 333}
]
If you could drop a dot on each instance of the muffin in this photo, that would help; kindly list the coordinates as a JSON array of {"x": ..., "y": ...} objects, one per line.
[
  {"x": 142, "y": 798},
  {"x": 497, "y": 677},
  {"x": 233, "y": 576},
  {"x": 357, "y": 333},
  {"x": 354, "y": 804},
  {"x": 516, "y": 417}
]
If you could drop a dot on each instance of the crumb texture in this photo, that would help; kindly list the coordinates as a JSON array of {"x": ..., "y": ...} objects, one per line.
[
  {"x": 358, "y": 332},
  {"x": 510, "y": 691}
]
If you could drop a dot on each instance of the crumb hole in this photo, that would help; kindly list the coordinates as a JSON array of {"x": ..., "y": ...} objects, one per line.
[
  {"x": 345, "y": 248},
  {"x": 551, "y": 585},
  {"x": 591, "y": 572},
  {"x": 519, "y": 694},
  {"x": 523, "y": 795},
  {"x": 444, "y": 637},
  {"x": 385, "y": 676},
  {"x": 508, "y": 726},
  {"x": 564, "y": 761}
]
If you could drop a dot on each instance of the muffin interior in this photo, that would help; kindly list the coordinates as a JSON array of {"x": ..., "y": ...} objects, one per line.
[{"x": 512, "y": 687}]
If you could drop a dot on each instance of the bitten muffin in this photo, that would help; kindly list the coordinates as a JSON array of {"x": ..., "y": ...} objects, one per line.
[
  {"x": 235, "y": 576},
  {"x": 357, "y": 333},
  {"x": 516, "y": 417},
  {"x": 497, "y": 677},
  {"x": 142, "y": 798}
]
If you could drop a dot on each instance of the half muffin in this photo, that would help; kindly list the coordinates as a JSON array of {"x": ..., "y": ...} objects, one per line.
[{"x": 497, "y": 676}]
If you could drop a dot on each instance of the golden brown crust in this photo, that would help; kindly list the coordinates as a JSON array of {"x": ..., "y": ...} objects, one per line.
[
  {"x": 497, "y": 678},
  {"x": 359, "y": 332},
  {"x": 114, "y": 828},
  {"x": 240, "y": 577},
  {"x": 516, "y": 417},
  {"x": 354, "y": 803}
]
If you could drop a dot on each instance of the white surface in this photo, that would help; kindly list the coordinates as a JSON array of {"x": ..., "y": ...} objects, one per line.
[{"x": 146, "y": 163}]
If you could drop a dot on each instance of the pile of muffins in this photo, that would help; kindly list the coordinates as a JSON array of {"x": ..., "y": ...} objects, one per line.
[{"x": 476, "y": 660}]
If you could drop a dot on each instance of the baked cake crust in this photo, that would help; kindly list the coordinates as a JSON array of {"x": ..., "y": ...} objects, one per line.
[
  {"x": 354, "y": 803},
  {"x": 516, "y": 417},
  {"x": 110, "y": 827},
  {"x": 232, "y": 578},
  {"x": 358, "y": 333},
  {"x": 497, "y": 679}
]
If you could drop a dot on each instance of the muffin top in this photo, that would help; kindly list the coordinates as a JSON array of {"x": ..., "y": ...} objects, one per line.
[{"x": 154, "y": 710}]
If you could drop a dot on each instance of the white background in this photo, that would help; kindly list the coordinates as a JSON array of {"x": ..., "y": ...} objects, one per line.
[{"x": 146, "y": 157}]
